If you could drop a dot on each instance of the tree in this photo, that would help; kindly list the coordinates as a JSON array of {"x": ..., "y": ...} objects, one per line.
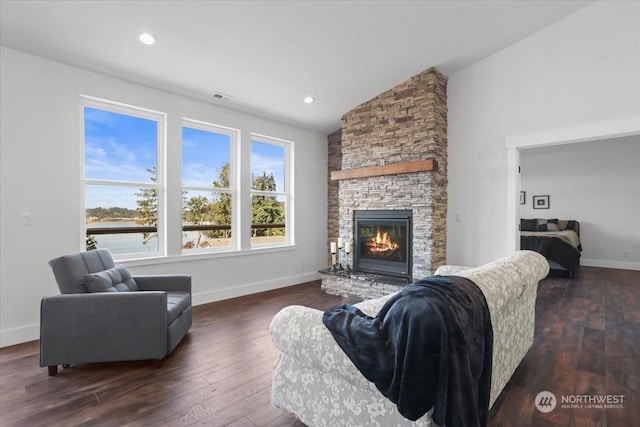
[
  {"x": 148, "y": 206},
  {"x": 112, "y": 213},
  {"x": 221, "y": 206},
  {"x": 197, "y": 210},
  {"x": 91, "y": 242},
  {"x": 264, "y": 182},
  {"x": 266, "y": 209}
]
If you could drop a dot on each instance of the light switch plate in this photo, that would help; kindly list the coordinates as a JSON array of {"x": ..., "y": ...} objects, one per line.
[{"x": 25, "y": 219}]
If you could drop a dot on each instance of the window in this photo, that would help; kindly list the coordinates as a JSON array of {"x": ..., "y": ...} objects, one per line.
[
  {"x": 135, "y": 209},
  {"x": 208, "y": 182},
  {"x": 123, "y": 197},
  {"x": 271, "y": 192}
]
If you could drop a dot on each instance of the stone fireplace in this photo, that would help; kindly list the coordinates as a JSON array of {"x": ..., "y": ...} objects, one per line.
[{"x": 372, "y": 159}]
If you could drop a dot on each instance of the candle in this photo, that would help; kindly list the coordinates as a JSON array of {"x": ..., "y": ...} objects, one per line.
[
  {"x": 340, "y": 242},
  {"x": 333, "y": 247},
  {"x": 347, "y": 247}
]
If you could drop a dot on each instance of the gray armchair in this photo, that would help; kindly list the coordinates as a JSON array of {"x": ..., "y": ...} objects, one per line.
[{"x": 103, "y": 314}]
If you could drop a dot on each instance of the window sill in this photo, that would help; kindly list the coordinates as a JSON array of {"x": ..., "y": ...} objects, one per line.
[{"x": 134, "y": 262}]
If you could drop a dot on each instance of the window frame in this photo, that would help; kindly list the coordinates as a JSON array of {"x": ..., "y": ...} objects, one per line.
[
  {"x": 234, "y": 163},
  {"x": 287, "y": 193},
  {"x": 160, "y": 185}
]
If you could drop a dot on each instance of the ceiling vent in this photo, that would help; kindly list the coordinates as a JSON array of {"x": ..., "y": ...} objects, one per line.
[{"x": 222, "y": 96}]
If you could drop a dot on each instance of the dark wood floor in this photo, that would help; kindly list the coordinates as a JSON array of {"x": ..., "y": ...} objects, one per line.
[{"x": 587, "y": 342}]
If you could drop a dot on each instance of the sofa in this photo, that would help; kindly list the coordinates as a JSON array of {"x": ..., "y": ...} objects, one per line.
[{"x": 316, "y": 381}]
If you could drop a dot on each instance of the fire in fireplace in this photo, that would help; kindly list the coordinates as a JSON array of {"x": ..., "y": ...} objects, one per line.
[{"x": 382, "y": 242}]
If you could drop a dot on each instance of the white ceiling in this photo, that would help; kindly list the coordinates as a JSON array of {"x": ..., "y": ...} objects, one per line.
[{"x": 269, "y": 55}]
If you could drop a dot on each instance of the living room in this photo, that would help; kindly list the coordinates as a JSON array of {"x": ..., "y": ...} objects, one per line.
[{"x": 574, "y": 80}]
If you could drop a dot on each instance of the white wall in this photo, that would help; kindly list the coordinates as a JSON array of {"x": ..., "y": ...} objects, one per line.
[
  {"x": 580, "y": 70},
  {"x": 40, "y": 165},
  {"x": 597, "y": 183}
]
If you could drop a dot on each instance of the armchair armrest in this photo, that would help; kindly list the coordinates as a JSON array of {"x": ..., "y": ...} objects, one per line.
[
  {"x": 101, "y": 327},
  {"x": 298, "y": 332},
  {"x": 164, "y": 282}
]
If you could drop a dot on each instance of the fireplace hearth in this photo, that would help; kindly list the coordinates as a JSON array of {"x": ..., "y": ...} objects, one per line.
[{"x": 382, "y": 242}]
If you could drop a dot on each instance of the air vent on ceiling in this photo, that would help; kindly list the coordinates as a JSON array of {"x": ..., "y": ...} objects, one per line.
[{"x": 222, "y": 96}]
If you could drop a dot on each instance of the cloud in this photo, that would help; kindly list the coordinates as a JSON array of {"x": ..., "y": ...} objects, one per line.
[
  {"x": 199, "y": 175},
  {"x": 92, "y": 150},
  {"x": 93, "y": 116},
  {"x": 122, "y": 150}
]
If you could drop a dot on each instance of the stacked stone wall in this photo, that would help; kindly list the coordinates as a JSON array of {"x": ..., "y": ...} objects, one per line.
[
  {"x": 335, "y": 164},
  {"x": 406, "y": 123}
]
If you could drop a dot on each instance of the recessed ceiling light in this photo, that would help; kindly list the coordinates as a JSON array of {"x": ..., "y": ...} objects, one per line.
[
  {"x": 146, "y": 38},
  {"x": 309, "y": 99}
]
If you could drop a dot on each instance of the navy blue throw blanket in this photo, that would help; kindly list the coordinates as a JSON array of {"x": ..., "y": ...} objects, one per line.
[{"x": 429, "y": 346}]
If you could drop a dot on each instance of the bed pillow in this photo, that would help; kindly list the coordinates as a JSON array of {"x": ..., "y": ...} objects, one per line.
[
  {"x": 116, "y": 279},
  {"x": 528, "y": 224},
  {"x": 548, "y": 225}
]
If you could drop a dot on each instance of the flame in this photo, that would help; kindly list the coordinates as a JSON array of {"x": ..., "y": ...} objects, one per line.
[{"x": 381, "y": 243}]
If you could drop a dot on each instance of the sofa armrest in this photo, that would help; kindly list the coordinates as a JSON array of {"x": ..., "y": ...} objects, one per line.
[
  {"x": 447, "y": 270},
  {"x": 298, "y": 332},
  {"x": 101, "y": 327},
  {"x": 507, "y": 278},
  {"x": 164, "y": 282}
]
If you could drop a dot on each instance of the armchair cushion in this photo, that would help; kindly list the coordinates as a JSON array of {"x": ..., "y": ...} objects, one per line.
[
  {"x": 116, "y": 279},
  {"x": 177, "y": 302}
]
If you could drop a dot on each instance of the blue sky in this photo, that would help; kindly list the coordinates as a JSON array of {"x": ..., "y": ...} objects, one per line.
[
  {"x": 268, "y": 158},
  {"x": 121, "y": 147},
  {"x": 203, "y": 156},
  {"x": 118, "y": 147}
]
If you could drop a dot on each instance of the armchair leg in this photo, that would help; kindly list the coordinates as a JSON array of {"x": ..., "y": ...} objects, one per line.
[{"x": 52, "y": 370}]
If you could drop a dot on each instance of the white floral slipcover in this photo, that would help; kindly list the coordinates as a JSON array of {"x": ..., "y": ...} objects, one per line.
[{"x": 316, "y": 381}]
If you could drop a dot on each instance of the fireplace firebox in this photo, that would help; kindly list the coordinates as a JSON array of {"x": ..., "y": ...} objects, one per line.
[{"x": 382, "y": 242}]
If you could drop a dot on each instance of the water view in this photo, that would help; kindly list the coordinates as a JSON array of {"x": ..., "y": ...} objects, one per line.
[{"x": 124, "y": 243}]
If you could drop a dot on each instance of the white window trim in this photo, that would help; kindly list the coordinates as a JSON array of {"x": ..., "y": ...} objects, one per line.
[
  {"x": 161, "y": 119},
  {"x": 288, "y": 192},
  {"x": 240, "y": 195},
  {"x": 234, "y": 162}
]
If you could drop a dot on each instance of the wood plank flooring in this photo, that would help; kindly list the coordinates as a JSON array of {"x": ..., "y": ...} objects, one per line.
[{"x": 587, "y": 342}]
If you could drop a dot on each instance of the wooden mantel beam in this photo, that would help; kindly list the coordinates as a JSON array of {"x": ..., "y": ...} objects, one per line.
[{"x": 391, "y": 169}]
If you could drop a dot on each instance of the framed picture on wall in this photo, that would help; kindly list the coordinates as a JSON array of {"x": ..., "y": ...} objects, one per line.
[
  {"x": 540, "y": 202},
  {"x": 522, "y": 197}
]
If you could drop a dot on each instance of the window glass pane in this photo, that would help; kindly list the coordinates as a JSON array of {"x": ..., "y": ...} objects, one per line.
[
  {"x": 267, "y": 167},
  {"x": 118, "y": 147},
  {"x": 205, "y": 158},
  {"x": 270, "y": 211},
  {"x": 203, "y": 208},
  {"x": 111, "y": 210}
]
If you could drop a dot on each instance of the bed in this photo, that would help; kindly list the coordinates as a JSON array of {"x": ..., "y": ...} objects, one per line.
[{"x": 557, "y": 240}]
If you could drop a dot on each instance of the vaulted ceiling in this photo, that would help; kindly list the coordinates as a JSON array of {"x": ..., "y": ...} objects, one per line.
[{"x": 269, "y": 55}]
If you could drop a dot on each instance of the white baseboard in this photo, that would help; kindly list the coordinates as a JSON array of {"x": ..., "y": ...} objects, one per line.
[
  {"x": 622, "y": 265},
  {"x": 252, "y": 288},
  {"x": 32, "y": 332},
  {"x": 19, "y": 335}
]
